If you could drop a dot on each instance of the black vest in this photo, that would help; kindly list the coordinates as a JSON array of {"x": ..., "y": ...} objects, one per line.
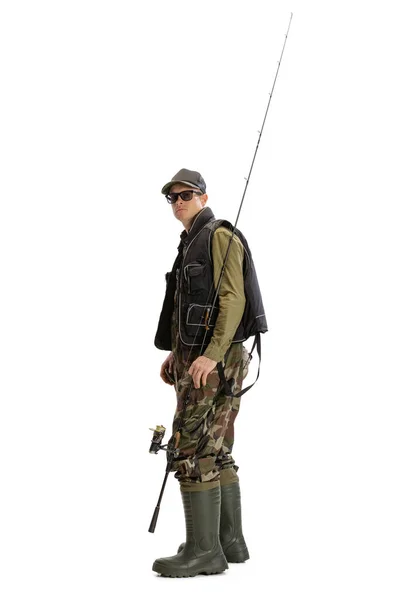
[{"x": 192, "y": 277}]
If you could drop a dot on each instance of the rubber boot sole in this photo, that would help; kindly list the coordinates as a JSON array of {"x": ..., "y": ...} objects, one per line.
[{"x": 214, "y": 566}]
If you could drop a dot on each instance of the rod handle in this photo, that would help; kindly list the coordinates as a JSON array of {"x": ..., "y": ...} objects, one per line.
[{"x": 154, "y": 519}]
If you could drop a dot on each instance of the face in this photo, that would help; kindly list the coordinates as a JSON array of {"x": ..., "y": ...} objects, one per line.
[{"x": 185, "y": 211}]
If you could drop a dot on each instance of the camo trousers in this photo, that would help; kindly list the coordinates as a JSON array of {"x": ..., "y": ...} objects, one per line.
[{"x": 207, "y": 434}]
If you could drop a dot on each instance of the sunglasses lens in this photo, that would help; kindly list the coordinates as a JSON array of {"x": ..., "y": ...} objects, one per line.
[
  {"x": 172, "y": 198},
  {"x": 186, "y": 195}
]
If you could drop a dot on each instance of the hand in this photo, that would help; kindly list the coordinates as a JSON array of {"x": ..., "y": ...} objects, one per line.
[
  {"x": 200, "y": 369},
  {"x": 167, "y": 365}
]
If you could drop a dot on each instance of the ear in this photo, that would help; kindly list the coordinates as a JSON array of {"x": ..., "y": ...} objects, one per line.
[{"x": 203, "y": 199}]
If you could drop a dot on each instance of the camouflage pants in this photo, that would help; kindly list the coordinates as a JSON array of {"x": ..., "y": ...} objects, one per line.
[{"x": 207, "y": 432}]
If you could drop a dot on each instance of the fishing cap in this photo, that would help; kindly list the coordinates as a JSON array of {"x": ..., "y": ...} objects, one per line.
[{"x": 192, "y": 178}]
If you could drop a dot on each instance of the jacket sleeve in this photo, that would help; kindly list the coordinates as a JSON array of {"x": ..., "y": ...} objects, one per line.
[{"x": 231, "y": 296}]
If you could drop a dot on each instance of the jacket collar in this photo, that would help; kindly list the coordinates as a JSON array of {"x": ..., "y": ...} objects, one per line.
[{"x": 202, "y": 218}]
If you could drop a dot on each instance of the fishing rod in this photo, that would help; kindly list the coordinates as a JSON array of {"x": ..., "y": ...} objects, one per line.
[
  {"x": 210, "y": 311},
  {"x": 172, "y": 448}
]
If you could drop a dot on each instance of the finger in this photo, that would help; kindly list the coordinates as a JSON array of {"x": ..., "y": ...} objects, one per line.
[
  {"x": 204, "y": 377},
  {"x": 164, "y": 377},
  {"x": 195, "y": 377},
  {"x": 199, "y": 378}
]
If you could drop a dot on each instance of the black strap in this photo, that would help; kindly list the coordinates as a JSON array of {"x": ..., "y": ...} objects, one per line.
[{"x": 228, "y": 385}]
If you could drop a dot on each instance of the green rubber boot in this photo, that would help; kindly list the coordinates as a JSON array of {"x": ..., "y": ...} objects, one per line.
[
  {"x": 230, "y": 531},
  {"x": 202, "y": 552}
]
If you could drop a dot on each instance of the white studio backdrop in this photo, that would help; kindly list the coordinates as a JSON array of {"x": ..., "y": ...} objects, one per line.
[{"x": 101, "y": 104}]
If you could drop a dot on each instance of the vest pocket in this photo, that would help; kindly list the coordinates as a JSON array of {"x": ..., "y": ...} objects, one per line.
[
  {"x": 197, "y": 313},
  {"x": 194, "y": 274}
]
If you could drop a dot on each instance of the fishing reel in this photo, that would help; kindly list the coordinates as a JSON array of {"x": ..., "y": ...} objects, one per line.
[{"x": 157, "y": 438}]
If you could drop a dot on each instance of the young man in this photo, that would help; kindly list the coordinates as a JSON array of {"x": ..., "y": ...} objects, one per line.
[{"x": 204, "y": 320}]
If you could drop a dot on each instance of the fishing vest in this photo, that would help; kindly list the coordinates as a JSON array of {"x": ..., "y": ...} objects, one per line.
[{"x": 190, "y": 284}]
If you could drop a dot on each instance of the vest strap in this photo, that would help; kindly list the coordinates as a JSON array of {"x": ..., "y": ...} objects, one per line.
[{"x": 228, "y": 385}]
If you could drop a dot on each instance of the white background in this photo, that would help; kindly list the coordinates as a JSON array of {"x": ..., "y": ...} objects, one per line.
[{"x": 101, "y": 103}]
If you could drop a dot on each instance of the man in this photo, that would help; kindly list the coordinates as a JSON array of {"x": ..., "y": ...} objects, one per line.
[{"x": 204, "y": 320}]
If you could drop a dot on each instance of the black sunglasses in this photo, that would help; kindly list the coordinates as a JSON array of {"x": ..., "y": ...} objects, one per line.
[{"x": 185, "y": 195}]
